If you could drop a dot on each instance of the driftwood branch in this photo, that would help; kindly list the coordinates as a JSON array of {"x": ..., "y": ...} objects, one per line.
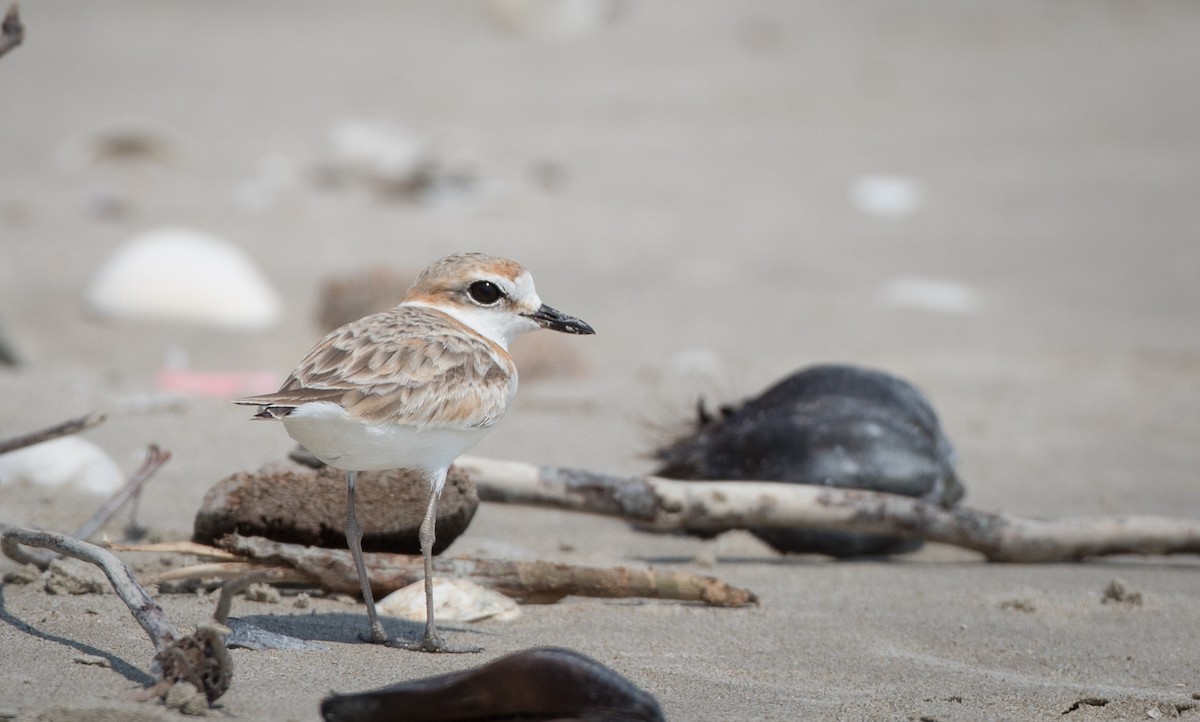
[
  {"x": 144, "y": 609},
  {"x": 199, "y": 658},
  {"x": 74, "y": 426},
  {"x": 12, "y": 31},
  {"x": 710, "y": 506},
  {"x": 534, "y": 582}
]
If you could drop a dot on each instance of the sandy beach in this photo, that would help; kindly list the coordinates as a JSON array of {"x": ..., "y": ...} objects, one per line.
[{"x": 997, "y": 202}]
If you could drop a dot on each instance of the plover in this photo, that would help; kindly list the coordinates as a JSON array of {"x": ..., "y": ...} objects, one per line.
[{"x": 413, "y": 387}]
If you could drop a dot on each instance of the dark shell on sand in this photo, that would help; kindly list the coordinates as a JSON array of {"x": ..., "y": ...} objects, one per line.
[
  {"x": 534, "y": 684},
  {"x": 834, "y": 425}
]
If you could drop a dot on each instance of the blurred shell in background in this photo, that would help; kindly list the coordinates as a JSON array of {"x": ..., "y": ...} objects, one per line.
[
  {"x": 67, "y": 462},
  {"x": 183, "y": 275}
]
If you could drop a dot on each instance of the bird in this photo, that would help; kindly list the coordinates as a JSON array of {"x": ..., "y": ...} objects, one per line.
[{"x": 413, "y": 387}]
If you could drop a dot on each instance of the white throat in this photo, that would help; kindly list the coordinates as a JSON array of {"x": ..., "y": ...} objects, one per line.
[{"x": 500, "y": 327}]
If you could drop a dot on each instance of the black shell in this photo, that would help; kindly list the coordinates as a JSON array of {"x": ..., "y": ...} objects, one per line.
[
  {"x": 830, "y": 425},
  {"x": 546, "y": 683}
]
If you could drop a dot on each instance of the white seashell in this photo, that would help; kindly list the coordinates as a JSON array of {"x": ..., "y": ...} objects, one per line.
[
  {"x": 179, "y": 274},
  {"x": 930, "y": 294},
  {"x": 69, "y": 462},
  {"x": 886, "y": 196},
  {"x": 554, "y": 19},
  {"x": 454, "y": 600}
]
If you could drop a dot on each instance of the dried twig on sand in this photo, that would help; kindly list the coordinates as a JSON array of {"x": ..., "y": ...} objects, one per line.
[
  {"x": 74, "y": 426},
  {"x": 155, "y": 458},
  {"x": 530, "y": 582},
  {"x": 12, "y": 31},
  {"x": 199, "y": 658},
  {"x": 709, "y": 507}
]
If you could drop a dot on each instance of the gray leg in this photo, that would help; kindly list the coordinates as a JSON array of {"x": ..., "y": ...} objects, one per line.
[
  {"x": 354, "y": 536},
  {"x": 431, "y": 642},
  {"x": 427, "y": 536}
]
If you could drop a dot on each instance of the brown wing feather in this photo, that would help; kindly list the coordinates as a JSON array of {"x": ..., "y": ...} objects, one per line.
[{"x": 410, "y": 364}]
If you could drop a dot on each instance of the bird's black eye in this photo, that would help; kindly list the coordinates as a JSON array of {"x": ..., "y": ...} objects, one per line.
[{"x": 485, "y": 292}]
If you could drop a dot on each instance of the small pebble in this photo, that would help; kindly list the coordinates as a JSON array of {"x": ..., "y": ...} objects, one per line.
[
  {"x": 262, "y": 593},
  {"x": 184, "y": 696},
  {"x": 1118, "y": 593},
  {"x": 27, "y": 574}
]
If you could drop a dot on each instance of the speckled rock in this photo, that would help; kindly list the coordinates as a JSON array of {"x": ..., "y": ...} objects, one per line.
[{"x": 291, "y": 502}]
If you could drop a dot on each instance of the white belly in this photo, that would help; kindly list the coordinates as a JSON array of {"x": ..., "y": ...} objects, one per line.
[{"x": 346, "y": 443}]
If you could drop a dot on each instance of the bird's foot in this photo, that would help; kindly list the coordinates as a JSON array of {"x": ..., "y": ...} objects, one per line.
[
  {"x": 375, "y": 635},
  {"x": 434, "y": 643}
]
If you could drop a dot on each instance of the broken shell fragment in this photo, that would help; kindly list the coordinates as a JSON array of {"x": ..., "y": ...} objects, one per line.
[{"x": 454, "y": 600}]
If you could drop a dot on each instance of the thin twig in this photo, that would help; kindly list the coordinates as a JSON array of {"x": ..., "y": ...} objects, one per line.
[
  {"x": 74, "y": 426},
  {"x": 177, "y": 547},
  {"x": 714, "y": 506},
  {"x": 235, "y": 586},
  {"x": 12, "y": 31},
  {"x": 155, "y": 458},
  {"x": 532, "y": 582},
  {"x": 213, "y": 570}
]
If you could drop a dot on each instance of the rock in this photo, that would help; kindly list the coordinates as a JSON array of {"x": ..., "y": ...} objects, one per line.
[
  {"x": 66, "y": 462},
  {"x": 291, "y": 502},
  {"x": 533, "y": 684},
  {"x": 837, "y": 426},
  {"x": 351, "y": 296},
  {"x": 454, "y": 600},
  {"x": 183, "y": 275}
]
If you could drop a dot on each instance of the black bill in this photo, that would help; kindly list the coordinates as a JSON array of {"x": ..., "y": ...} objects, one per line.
[{"x": 555, "y": 320}]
